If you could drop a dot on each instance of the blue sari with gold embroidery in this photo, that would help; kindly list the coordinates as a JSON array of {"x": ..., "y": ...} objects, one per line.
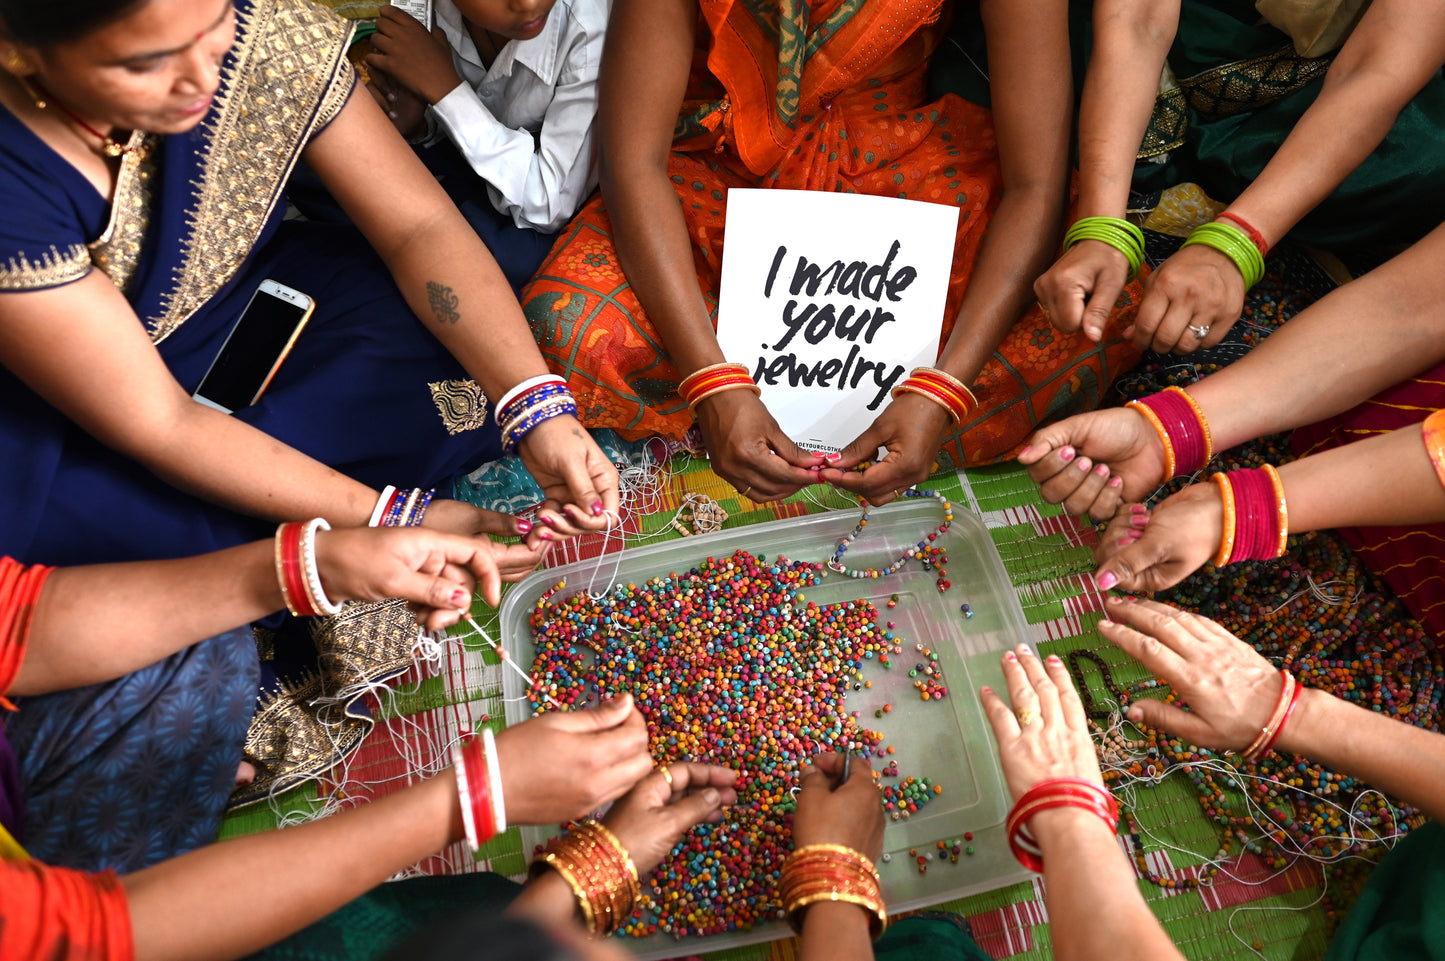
[{"x": 194, "y": 225}]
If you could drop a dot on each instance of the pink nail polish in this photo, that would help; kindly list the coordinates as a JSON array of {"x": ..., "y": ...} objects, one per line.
[
  {"x": 1125, "y": 541},
  {"x": 1138, "y": 509},
  {"x": 1027, "y": 448},
  {"x": 1117, "y": 482},
  {"x": 596, "y": 508},
  {"x": 545, "y": 536},
  {"x": 1067, "y": 454},
  {"x": 1102, "y": 470},
  {"x": 1106, "y": 623},
  {"x": 459, "y": 597},
  {"x": 986, "y": 690},
  {"x": 1138, "y": 520},
  {"x": 1106, "y": 580},
  {"x": 523, "y": 527},
  {"x": 1054, "y": 659},
  {"x": 548, "y": 521},
  {"x": 833, "y": 458},
  {"x": 1084, "y": 464},
  {"x": 1010, "y": 656}
]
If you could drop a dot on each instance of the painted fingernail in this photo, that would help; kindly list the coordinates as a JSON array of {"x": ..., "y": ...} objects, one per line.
[
  {"x": 1138, "y": 509},
  {"x": 1067, "y": 454},
  {"x": 1102, "y": 470},
  {"x": 1025, "y": 649},
  {"x": 459, "y": 597},
  {"x": 1125, "y": 541},
  {"x": 1010, "y": 656},
  {"x": 1027, "y": 448},
  {"x": 1135, "y": 713},
  {"x": 1114, "y": 599},
  {"x": 1054, "y": 659},
  {"x": 1117, "y": 482},
  {"x": 1084, "y": 464},
  {"x": 545, "y": 519},
  {"x": 596, "y": 508},
  {"x": 545, "y": 535},
  {"x": 1106, "y": 580},
  {"x": 1139, "y": 520},
  {"x": 523, "y": 527},
  {"x": 1106, "y": 623},
  {"x": 833, "y": 458},
  {"x": 986, "y": 690},
  {"x": 1132, "y": 599}
]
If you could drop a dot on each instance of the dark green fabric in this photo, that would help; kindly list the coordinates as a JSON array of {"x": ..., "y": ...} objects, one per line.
[
  {"x": 374, "y": 923},
  {"x": 1400, "y": 915},
  {"x": 1395, "y": 197},
  {"x": 934, "y": 935}
]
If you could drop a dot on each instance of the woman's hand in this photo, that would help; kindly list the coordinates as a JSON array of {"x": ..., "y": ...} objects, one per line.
[
  {"x": 1166, "y": 546},
  {"x": 514, "y": 561},
  {"x": 405, "y": 110},
  {"x": 566, "y": 764},
  {"x": 436, "y": 572},
  {"x": 849, "y": 814},
  {"x": 1082, "y": 287},
  {"x": 651, "y": 818},
  {"x": 912, "y": 428},
  {"x": 1198, "y": 287},
  {"x": 1045, "y": 734},
  {"x": 578, "y": 479},
  {"x": 1092, "y": 462},
  {"x": 1231, "y": 691},
  {"x": 419, "y": 61},
  {"x": 750, "y": 451}
]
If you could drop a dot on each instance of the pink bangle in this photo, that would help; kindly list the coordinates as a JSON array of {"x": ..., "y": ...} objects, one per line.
[
  {"x": 1182, "y": 429},
  {"x": 1260, "y": 516},
  {"x": 1293, "y": 700}
]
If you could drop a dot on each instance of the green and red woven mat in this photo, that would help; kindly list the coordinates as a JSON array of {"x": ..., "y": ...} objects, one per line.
[{"x": 1249, "y": 908}]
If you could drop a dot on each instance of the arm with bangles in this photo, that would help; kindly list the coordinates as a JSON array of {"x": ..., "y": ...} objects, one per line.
[
  {"x": 1389, "y": 479},
  {"x": 1395, "y": 49},
  {"x": 1131, "y": 41},
  {"x": 1232, "y": 692},
  {"x": 1317, "y": 365},
  {"x": 454, "y": 285},
  {"x": 1096, "y": 912},
  {"x": 645, "y": 65},
  {"x": 1028, "y": 54}
]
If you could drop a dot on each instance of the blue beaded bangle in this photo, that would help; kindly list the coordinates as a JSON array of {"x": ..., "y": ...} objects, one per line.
[
  {"x": 534, "y": 396},
  {"x": 514, "y": 432},
  {"x": 408, "y": 508}
]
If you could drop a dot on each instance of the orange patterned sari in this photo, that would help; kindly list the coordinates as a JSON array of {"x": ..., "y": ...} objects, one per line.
[{"x": 823, "y": 97}]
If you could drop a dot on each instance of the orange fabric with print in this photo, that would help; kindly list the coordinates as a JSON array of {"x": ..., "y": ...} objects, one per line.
[
  {"x": 19, "y": 590},
  {"x": 56, "y": 914},
  {"x": 833, "y": 102}
]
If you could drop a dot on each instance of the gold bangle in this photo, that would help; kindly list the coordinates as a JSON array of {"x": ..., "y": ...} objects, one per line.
[
  {"x": 907, "y": 388},
  {"x": 1281, "y": 510},
  {"x": 957, "y": 384},
  {"x": 710, "y": 368},
  {"x": 1226, "y": 535},
  {"x": 877, "y": 914},
  {"x": 730, "y": 385}
]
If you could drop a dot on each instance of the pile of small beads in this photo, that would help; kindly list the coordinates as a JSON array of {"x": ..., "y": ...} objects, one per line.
[{"x": 729, "y": 664}]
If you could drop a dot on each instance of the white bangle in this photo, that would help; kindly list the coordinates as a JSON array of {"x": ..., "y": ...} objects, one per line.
[
  {"x": 381, "y": 503},
  {"x": 319, "y": 599},
  {"x": 494, "y": 772},
  {"x": 525, "y": 386},
  {"x": 464, "y": 797}
]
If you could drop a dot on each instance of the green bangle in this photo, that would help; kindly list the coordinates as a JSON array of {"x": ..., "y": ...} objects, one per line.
[
  {"x": 1114, "y": 231},
  {"x": 1233, "y": 243}
]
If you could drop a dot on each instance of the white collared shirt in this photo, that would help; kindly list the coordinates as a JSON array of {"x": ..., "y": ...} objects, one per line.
[{"x": 525, "y": 125}]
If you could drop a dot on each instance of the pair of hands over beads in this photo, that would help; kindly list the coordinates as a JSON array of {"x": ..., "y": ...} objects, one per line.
[
  {"x": 1230, "y": 689},
  {"x": 750, "y": 451},
  {"x": 1197, "y": 287},
  {"x": 1141, "y": 550}
]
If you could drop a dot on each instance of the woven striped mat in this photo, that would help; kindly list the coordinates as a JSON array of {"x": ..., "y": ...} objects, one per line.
[{"x": 1249, "y": 909}]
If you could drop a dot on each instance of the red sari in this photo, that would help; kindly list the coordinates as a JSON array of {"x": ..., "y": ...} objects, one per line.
[{"x": 833, "y": 102}]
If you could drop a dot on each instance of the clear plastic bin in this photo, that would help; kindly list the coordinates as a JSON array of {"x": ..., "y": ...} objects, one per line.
[{"x": 947, "y": 741}]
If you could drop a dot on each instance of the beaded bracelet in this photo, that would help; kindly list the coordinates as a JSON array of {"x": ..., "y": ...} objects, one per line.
[
  {"x": 1432, "y": 432},
  {"x": 1256, "y": 517},
  {"x": 1117, "y": 232},
  {"x": 532, "y": 398},
  {"x": 524, "y": 387},
  {"x": 835, "y": 563},
  {"x": 296, "y": 569},
  {"x": 830, "y": 872},
  {"x": 1047, "y": 795},
  {"x": 1288, "y": 694},
  {"x": 1234, "y": 244},
  {"x": 599, "y": 871},
  {"x": 531, "y": 416},
  {"x": 1255, "y": 237},
  {"x": 1182, "y": 428},
  {"x": 942, "y": 388},
  {"x": 714, "y": 379}
]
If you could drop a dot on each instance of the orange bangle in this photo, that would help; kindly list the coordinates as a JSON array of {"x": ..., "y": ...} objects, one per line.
[
  {"x": 1433, "y": 433},
  {"x": 1144, "y": 411},
  {"x": 1226, "y": 537},
  {"x": 1281, "y": 510}
]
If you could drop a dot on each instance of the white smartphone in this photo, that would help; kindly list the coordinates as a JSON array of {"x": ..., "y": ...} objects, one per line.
[
  {"x": 420, "y": 9},
  {"x": 264, "y": 334}
]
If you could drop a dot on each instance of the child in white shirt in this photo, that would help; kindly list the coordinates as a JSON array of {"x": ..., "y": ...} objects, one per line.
[{"x": 503, "y": 96}]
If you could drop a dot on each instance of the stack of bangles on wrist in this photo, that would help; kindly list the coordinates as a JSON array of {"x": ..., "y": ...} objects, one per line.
[
  {"x": 296, "y": 569},
  {"x": 714, "y": 379},
  {"x": 830, "y": 872},
  {"x": 1055, "y": 793},
  {"x": 943, "y": 389},
  {"x": 1235, "y": 239},
  {"x": 1289, "y": 693},
  {"x": 532, "y": 402},
  {"x": 1256, "y": 518},
  {"x": 1182, "y": 429},
  {"x": 479, "y": 788},
  {"x": 599, "y": 871},
  {"x": 1114, "y": 231},
  {"x": 400, "y": 508}
]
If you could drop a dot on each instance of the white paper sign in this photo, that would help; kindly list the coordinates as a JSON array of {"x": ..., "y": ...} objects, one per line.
[{"x": 829, "y": 300}]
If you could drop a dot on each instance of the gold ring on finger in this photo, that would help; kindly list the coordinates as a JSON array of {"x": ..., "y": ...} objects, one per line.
[
  {"x": 745, "y": 491},
  {"x": 666, "y": 774},
  {"x": 1026, "y": 716}
]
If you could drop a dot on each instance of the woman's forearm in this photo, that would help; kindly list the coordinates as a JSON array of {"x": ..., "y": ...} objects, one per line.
[
  {"x": 1096, "y": 912},
  {"x": 1131, "y": 41},
  {"x": 235, "y": 897},
  {"x": 1382, "y": 480},
  {"x": 1368, "y": 335}
]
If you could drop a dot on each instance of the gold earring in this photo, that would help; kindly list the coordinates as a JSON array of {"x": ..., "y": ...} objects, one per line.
[{"x": 15, "y": 61}]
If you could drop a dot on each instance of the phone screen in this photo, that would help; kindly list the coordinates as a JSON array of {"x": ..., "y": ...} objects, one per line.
[{"x": 256, "y": 346}]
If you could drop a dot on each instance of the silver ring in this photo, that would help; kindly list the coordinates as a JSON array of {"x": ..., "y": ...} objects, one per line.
[{"x": 1199, "y": 332}]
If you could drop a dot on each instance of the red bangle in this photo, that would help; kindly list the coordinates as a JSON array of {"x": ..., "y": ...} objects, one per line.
[
  {"x": 1047, "y": 795},
  {"x": 1259, "y": 521},
  {"x": 1255, "y": 237},
  {"x": 1293, "y": 700},
  {"x": 1182, "y": 429},
  {"x": 474, "y": 792},
  {"x": 290, "y": 572},
  {"x": 20, "y": 588}
]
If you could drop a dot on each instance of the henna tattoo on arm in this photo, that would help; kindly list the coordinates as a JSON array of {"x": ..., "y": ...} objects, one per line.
[{"x": 443, "y": 302}]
